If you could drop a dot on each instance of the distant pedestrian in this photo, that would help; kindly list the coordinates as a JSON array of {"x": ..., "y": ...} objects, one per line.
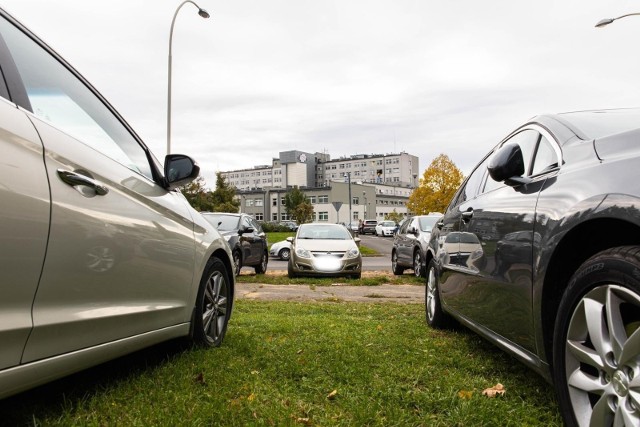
[{"x": 360, "y": 225}]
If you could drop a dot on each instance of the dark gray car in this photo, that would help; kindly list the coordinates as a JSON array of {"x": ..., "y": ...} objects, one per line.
[
  {"x": 248, "y": 242},
  {"x": 410, "y": 244},
  {"x": 552, "y": 273}
]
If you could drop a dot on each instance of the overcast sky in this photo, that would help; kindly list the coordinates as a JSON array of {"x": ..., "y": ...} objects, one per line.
[{"x": 344, "y": 76}]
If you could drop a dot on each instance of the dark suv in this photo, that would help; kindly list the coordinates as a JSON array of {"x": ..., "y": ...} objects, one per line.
[
  {"x": 410, "y": 243},
  {"x": 539, "y": 252},
  {"x": 368, "y": 226},
  {"x": 245, "y": 237}
]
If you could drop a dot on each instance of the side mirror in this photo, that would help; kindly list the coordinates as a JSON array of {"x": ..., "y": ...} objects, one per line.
[
  {"x": 179, "y": 170},
  {"x": 289, "y": 239},
  {"x": 507, "y": 165},
  {"x": 244, "y": 229}
]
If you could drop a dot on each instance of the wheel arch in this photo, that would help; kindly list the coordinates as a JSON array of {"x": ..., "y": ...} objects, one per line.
[{"x": 576, "y": 246}]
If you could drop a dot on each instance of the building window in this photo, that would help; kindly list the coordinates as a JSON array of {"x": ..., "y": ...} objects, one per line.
[
  {"x": 312, "y": 200},
  {"x": 274, "y": 217},
  {"x": 259, "y": 216},
  {"x": 355, "y": 201},
  {"x": 323, "y": 199},
  {"x": 258, "y": 202},
  {"x": 284, "y": 217},
  {"x": 323, "y": 216},
  {"x": 274, "y": 201}
]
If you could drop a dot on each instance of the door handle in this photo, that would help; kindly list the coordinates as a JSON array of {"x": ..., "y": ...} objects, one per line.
[
  {"x": 467, "y": 215},
  {"x": 74, "y": 179}
]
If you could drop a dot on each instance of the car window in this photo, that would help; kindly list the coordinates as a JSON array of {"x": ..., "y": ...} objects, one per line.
[
  {"x": 57, "y": 96},
  {"x": 546, "y": 158},
  {"x": 427, "y": 222},
  {"x": 223, "y": 222}
]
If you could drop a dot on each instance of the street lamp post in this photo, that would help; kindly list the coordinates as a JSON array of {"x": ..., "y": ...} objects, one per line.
[
  {"x": 607, "y": 21},
  {"x": 350, "y": 216},
  {"x": 202, "y": 13},
  {"x": 364, "y": 194}
]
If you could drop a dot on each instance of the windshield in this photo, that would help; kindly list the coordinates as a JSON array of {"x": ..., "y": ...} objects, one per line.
[
  {"x": 223, "y": 222},
  {"x": 329, "y": 232},
  {"x": 388, "y": 224},
  {"x": 427, "y": 222}
]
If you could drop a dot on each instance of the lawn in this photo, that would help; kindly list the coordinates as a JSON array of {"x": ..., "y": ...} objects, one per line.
[{"x": 298, "y": 364}]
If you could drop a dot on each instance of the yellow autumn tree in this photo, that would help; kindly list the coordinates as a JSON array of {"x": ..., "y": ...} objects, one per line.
[{"x": 437, "y": 187}]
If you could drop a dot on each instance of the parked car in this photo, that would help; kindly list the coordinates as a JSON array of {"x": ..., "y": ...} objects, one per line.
[
  {"x": 291, "y": 225},
  {"x": 248, "y": 242},
  {"x": 321, "y": 249},
  {"x": 281, "y": 250},
  {"x": 385, "y": 228},
  {"x": 410, "y": 244},
  {"x": 100, "y": 256},
  {"x": 555, "y": 208},
  {"x": 369, "y": 226}
]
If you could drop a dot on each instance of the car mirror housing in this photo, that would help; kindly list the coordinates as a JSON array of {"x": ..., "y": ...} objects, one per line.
[
  {"x": 506, "y": 163},
  {"x": 179, "y": 170}
]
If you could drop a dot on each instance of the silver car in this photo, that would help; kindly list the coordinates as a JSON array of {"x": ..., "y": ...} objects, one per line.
[
  {"x": 100, "y": 254},
  {"x": 321, "y": 249},
  {"x": 281, "y": 250}
]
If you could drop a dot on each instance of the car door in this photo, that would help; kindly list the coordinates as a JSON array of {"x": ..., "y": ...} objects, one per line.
[
  {"x": 24, "y": 226},
  {"x": 404, "y": 243},
  {"x": 497, "y": 271},
  {"x": 120, "y": 255}
]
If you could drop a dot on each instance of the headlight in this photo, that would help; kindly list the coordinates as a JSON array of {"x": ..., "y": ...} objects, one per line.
[
  {"x": 303, "y": 253},
  {"x": 353, "y": 253}
]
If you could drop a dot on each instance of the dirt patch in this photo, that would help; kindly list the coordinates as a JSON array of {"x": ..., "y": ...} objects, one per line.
[{"x": 405, "y": 294}]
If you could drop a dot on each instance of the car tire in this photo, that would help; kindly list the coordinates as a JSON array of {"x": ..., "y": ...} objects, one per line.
[
  {"x": 262, "y": 267},
  {"x": 596, "y": 345},
  {"x": 285, "y": 254},
  {"x": 290, "y": 273},
  {"x": 213, "y": 305},
  {"x": 397, "y": 270},
  {"x": 237, "y": 262},
  {"x": 417, "y": 264},
  {"x": 436, "y": 317},
  {"x": 356, "y": 276}
]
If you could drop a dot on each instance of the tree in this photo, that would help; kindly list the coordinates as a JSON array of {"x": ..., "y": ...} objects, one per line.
[
  {"x": 197, "y": 195},
  {"x": 297, "y": 206},
  {"x": 224, "y": 196},
  {"x": 394, "y": 216},
  {"x": 438, "y": 185}
]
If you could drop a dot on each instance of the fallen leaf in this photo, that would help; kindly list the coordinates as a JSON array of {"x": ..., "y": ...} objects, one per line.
[
  {"x": 496, "y": 390},
  {"x": 199, "y": 379},
  {"x": 299, "y": 351},
  {"x": 379, "y": 327},
  {"x": 465, "y": 394},
  {"x": 332, "y": 395},
  {"x": 251, "y": 397},
  {"x": 305, "y": 421}
]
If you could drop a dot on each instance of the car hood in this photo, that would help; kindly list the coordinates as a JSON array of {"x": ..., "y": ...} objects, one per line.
[{"x": 325, "y": 245}]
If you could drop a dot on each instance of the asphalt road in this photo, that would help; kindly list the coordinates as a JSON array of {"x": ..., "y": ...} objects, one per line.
[{"x": 382, "y": 245}]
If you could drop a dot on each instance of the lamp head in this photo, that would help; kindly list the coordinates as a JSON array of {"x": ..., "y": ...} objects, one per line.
[
  {"x": 604, "y": 22},
  {"x": 203, "y": 13}
]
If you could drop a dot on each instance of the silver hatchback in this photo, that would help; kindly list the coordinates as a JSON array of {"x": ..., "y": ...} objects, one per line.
[
  {"x": 100, "y": 254},
  {"x": 321, "y": 249}
]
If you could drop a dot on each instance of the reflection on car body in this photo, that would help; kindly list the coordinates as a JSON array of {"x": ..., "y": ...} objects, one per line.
[{"x": 550, "y": 274}]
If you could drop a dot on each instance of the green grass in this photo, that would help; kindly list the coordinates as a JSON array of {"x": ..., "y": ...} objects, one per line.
[
  {"x": 277, "y": 236},
  {"x": 296, "y": 364}
]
